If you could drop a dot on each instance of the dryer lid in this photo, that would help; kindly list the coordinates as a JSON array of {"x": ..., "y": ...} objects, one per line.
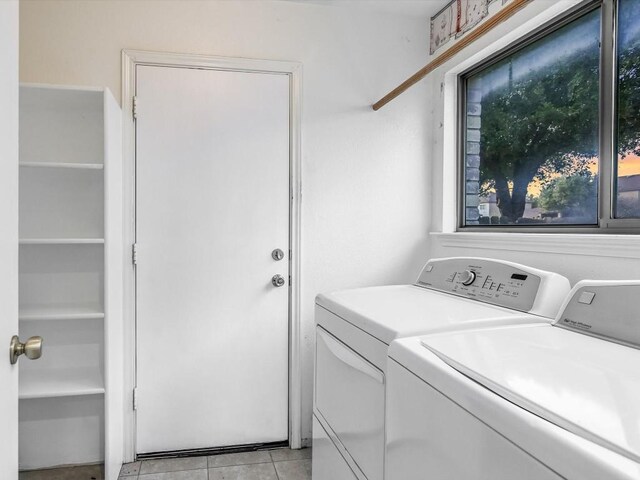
[{"x": 586, "y": 385}]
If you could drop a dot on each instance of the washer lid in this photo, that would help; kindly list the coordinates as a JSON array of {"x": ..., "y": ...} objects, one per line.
[
  {"x": 583, "y": 384},
  {"x": 406, "y": 310}
]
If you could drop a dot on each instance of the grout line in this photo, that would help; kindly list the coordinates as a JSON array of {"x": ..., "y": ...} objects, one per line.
[{"x": 274, "y": 467}]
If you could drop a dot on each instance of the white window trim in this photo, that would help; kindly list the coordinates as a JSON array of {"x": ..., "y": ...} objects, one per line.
[
  {"x": 605, "y": 244},
  {"x": 581, "y": 244}
]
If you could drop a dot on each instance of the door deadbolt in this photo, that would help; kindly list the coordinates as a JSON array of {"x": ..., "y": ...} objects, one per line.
[
  {"x": 278, "y": 281},
  {"x": 277, "y": 254},
  {"x": 32, "y": 348}
]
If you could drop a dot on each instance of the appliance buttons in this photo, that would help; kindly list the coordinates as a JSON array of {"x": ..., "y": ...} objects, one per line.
[{"x": 586, "y": 297}]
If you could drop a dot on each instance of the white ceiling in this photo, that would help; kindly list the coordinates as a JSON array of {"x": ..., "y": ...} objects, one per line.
[{"x": 414, "y": 8}]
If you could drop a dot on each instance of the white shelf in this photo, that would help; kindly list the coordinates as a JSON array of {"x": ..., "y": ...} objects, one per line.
[
  {"x": 66, "y": 312},
  {"x": 61, "y": 241},
  {"x": 61, "y": 203},
  {"x": 85, "y": 166},
  {"x": 70, "y": 154},
  {"x": 61, "y": 126},
  {"x": 52, "y": 382},
  {"x": 61, "y": 274}
]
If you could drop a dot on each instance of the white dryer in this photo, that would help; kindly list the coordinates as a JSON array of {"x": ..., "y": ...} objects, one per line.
[
  {"x": 532, "y": 402},
  {"x": 355, "y": 328}
]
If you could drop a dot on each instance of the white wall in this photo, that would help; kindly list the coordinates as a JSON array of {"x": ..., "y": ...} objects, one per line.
[
  {"x": 365, "y": 201},
  {"x": 576, "y": 256}
]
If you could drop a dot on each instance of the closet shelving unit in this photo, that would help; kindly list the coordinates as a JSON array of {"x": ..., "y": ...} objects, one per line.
[{"x": 70, "y": 285}]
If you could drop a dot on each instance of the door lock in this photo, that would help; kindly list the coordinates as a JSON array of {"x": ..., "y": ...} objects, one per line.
[
  {"x": 32, "y": 348},
  {"x": 277, "y": 254},
  {"x": 278, "y": 281}
]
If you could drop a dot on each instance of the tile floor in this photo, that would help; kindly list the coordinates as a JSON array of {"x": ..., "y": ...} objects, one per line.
[
  {"x": 84, "y": 472},
  {"x": 281, "y": 464}
]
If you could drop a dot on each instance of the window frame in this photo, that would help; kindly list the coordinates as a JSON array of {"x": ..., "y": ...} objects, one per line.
[{"x": 607, "y": 166}]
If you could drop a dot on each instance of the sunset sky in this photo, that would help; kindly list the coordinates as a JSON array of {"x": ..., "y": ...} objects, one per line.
[{"x": 630, "y": 165}]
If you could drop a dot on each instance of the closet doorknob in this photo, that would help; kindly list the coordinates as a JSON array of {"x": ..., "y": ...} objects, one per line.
[{"x": 32, "y": 348}]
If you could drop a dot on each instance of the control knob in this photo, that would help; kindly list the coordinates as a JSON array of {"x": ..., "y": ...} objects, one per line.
[{"x": 467, "y": 277}]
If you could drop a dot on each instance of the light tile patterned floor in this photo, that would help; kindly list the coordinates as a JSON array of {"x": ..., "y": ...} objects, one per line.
[
  {"x": 84, "y": 472},
  {"x": 281, "y": 464}
]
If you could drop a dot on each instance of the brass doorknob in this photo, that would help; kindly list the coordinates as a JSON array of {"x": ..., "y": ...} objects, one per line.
[{"x": 32, "y": 348}]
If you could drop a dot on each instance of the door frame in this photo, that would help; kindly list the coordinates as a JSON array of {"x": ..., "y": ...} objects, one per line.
[{"x": 132, "y": 58}]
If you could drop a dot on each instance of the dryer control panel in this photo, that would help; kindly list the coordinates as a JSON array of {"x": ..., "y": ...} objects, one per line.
[
  {"x": 491, "y": 281},
  {"x": 606, "y": 309}
]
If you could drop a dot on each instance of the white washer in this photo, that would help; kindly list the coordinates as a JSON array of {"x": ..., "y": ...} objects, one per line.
[
  {"x": 355, "y": 328},
  {"x": 532, "y": 402}
]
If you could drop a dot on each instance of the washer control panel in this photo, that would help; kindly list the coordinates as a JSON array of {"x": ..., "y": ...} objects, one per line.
[{"x": 490, "y": 281}]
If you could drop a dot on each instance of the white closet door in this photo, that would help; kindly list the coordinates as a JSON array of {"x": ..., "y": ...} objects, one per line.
[
  {"x": 8, "y": 236},
  {"x": 212, "y": 160}
]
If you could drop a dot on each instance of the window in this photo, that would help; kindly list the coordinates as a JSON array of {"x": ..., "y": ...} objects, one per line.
[
  {"x": 541, "y": 147},
  {"x": 627, "y": 169}
]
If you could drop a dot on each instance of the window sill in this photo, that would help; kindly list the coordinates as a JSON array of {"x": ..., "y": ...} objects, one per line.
[{"x": 600, "y": 245}]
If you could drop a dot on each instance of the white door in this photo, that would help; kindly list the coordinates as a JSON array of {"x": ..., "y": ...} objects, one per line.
[
  {"x": 212, "y": 203},
  {"x": 8, "y": 236}
]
